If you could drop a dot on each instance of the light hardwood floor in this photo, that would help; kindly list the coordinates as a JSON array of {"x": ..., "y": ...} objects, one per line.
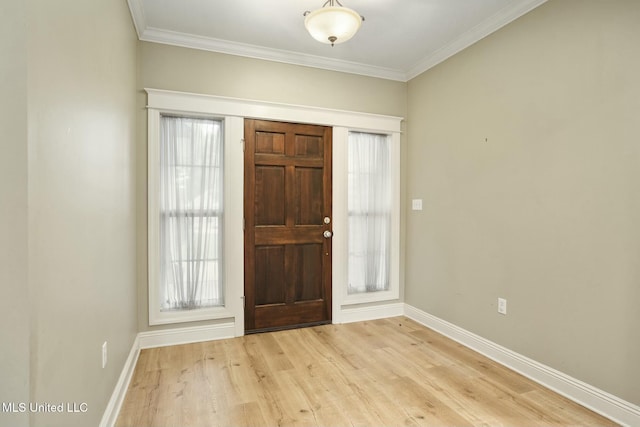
[{"x": 388, "y": 372}]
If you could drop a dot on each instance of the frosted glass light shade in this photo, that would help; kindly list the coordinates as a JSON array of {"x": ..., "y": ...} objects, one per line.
[{"x": 333, "y": 24}]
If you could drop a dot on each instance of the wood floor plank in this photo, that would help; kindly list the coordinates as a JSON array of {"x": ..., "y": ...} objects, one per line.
[
  {"x": 421, "y": 406},
  {"x": 384, "y": 372}
]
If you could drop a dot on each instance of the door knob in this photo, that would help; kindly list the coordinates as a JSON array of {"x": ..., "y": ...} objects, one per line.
[{"x": 327, "y": 234}]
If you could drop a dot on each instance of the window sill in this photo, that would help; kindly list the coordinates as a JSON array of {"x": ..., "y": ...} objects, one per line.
[
  {"x": 368, "y": 297},
  {"x": 169, "y": 317}
]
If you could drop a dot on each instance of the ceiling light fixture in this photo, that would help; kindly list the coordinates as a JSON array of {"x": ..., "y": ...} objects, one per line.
[{"x": 332, "y": 24}]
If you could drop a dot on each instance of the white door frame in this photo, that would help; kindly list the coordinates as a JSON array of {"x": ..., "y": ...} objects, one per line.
[{"x": 234, "y": 111}]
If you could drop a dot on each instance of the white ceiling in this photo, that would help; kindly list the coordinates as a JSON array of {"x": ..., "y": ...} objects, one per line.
[{"x": 398, "y": 40}]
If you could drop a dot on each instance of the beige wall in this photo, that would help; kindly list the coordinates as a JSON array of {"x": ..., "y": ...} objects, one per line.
[
  {"x": 525, "y": 149},
  {"x": 81, "y": 193},
  {"x": 197, "y": 71},
  {"x": 189, "y": 70},
  {"x": 14, "y": 303}
]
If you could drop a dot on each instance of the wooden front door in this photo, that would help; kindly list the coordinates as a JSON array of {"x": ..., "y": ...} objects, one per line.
[{"x": 287, "y": 238}]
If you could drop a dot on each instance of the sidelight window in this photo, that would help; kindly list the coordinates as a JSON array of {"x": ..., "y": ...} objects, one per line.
[
  {"x": 190, "y": 213},
  {"x": 186, "y": 218},
  {"x": 370, "y": 212}
]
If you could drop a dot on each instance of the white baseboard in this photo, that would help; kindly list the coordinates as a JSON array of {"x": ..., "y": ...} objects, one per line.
[
  {"x": 117, "y": 397},
  {"x": 189, "y": 335},
  {"x": 361, "y": 314},
  {"x": 153, "y": 339},
  {"x": 597, "y": 400}
]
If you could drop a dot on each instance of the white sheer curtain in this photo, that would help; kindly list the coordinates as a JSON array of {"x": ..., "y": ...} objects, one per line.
[
  {"x": 369, "y": 205},
  {"x": 190, "y": 213}
]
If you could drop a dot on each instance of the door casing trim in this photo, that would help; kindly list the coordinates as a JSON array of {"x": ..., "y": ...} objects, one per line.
[{"x": 235, "y": 110}]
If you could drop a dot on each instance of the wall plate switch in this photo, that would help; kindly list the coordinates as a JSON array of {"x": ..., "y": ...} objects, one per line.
[
  {"x": 104, "y": 355},
  {"x": 502, "y": 306},
  {"x": 416, "y": 204}
]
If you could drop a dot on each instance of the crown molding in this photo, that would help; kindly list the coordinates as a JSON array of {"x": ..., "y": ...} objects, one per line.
[
  {"x": 494, "y": 23},
  {"x": 156, "y": 35},
  {"x": 477, "y": 33}
]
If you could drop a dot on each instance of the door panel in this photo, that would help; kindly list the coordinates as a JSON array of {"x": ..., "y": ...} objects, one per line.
[
  {"x": 307, "y": 260},
  {"x": 270, "y": 275},
  {"x": 270, "y": 142},
  {"x": 309, "y": 146},
  {"x": 270, "y": 203},
  {"x": 287, "y": 197},
  {"x": 309, "y": 197}
]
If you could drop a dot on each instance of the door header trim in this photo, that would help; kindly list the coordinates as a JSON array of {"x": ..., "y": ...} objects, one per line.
[{"x": 167, "y": 100}]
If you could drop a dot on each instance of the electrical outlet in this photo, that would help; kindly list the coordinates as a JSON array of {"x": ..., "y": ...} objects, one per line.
[
  {"x": 416, "y": 204},
  {"x": 502, "y": 306},
  {"x": 104, "y": 355}
]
